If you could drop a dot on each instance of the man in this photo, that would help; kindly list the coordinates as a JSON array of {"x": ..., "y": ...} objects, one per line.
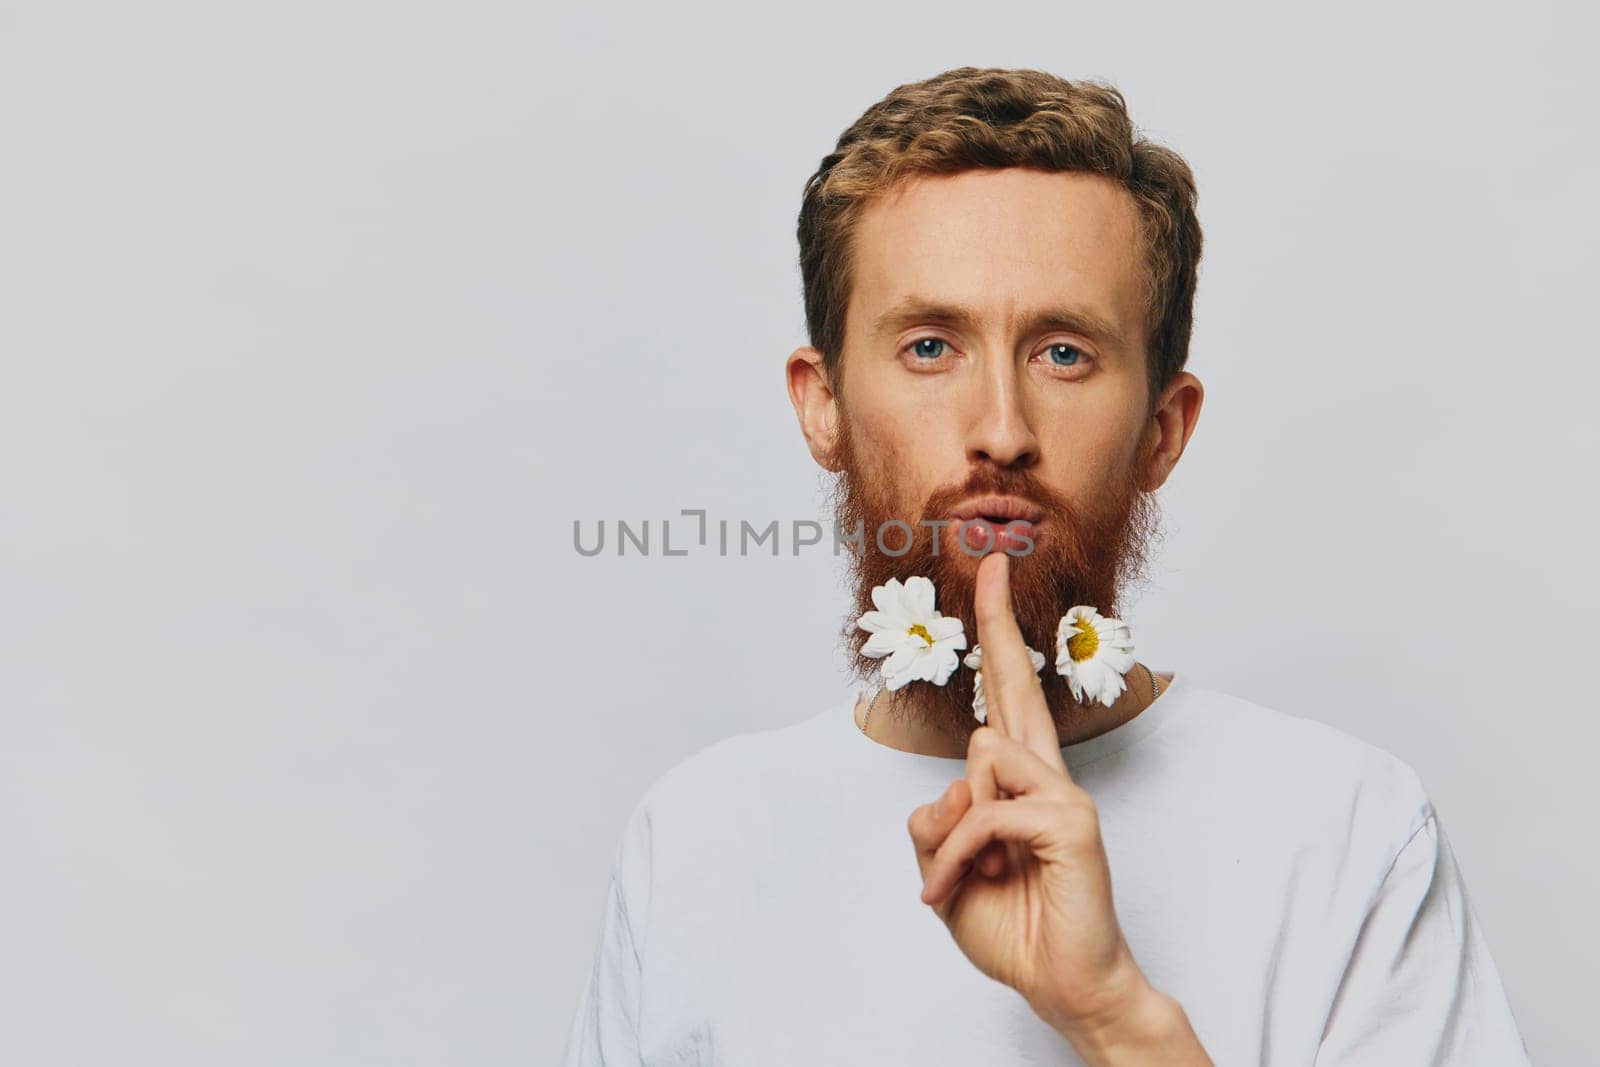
[{"x": 1127, "y": 867}]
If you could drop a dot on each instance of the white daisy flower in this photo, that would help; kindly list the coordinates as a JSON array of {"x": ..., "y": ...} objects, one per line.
[
  {"x": 1093, "y": 652},
  {"x": 980, "y": 708},
  {"x": 921, "y": 644}
]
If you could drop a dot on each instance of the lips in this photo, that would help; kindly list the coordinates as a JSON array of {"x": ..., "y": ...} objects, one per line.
[{"x": 997, "y": 522}]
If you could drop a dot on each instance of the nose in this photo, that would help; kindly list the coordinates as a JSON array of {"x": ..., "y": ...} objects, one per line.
[{"x": 1001, "y": 432}]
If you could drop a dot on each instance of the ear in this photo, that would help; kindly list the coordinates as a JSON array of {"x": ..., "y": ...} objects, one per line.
[
  {"x": 814, "y": 404},
  {"x": 1170, "y": 427}
]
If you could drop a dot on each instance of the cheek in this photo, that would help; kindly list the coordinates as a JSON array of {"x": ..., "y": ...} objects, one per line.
[
  {"x": 895, "y": 432},
  {"x": 888, "y": 452},
  {"x": 899, "y": 454},
  {"x": 1087, "y": 451}
]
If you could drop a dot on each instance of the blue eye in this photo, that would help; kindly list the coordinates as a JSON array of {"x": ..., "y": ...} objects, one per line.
[
  {"x": 1064, "y": 360},
  {"x": 917, "y": 349}
]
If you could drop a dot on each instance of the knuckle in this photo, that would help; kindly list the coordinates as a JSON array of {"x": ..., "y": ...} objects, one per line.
[
  {"x": 914, "y": 823},
  {"x": 1081, "y": 821},
  {"x": 1064, "y": 790},
  {"x": 1082, "y": 798}
]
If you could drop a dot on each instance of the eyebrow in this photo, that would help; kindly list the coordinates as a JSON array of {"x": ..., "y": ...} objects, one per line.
[{"x": 913, "y": 310}]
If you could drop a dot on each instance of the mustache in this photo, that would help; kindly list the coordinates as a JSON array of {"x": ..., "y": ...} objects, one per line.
[{"x": 993, "y": 481}]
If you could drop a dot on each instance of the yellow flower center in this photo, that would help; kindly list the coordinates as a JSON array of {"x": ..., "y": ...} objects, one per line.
[
  {"x": 1085, "y": 643},
  {"x": 921, "y": 631}
]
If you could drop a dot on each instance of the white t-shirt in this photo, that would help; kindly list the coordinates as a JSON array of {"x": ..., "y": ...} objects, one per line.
[{"x": 1290, "y": 885}]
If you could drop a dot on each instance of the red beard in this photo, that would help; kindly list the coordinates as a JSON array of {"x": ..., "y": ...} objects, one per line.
[{"x": 1080, "y": 555}]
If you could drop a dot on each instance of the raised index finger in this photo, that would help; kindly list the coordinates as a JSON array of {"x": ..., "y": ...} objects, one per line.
[{"x": 1011, "y": 687}]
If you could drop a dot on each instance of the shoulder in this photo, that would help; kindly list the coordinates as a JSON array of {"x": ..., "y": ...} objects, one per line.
[
  {"x": 747, "y": 759},
  {"x": 1309, "y": 768},
  {"x": 741, "y": 777},
  {"x": 1270, "y": 737}
]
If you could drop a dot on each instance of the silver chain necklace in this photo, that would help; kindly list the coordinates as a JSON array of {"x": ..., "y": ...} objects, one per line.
[{"x": 1155, "y": 691}]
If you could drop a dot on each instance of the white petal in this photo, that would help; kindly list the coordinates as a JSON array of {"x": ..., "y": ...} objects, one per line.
[
  {"x": 905, "y": 603},
  {"x": 919, "y": 596},
  {"x": 1094, "y": 673},
  {"x": 945, "y": 665},
  {"x": 886, "y": 597},
  {"x": 974, "y": 658},
  {"x": 901, "y": 661},
  {"x": 1103, "y": 684},
  {"x": 881, "y": 644},
  {"x": 1112, "y": 690},
  {"x": 1117, "y": 648},
  {"x": 1116, "y": 659},
  {"x": 924, "y": 666},
  {"x": 873, "y": 621},
  {"x": 1114, "y": 639},
  {"x": 904, "y": 673}
]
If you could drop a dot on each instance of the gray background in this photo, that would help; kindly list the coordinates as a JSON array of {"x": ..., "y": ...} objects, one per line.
[{"x": 323, "y": 321}]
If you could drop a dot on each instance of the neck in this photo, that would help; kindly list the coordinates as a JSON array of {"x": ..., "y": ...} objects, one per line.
[{"x": 900, "y": 721}]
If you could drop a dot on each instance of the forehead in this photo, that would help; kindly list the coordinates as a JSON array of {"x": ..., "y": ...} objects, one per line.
[{"x": 1006, "y": 241}]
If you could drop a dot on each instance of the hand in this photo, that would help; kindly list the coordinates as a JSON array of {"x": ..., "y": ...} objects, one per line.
[{"x": 1012, "y": 859}]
